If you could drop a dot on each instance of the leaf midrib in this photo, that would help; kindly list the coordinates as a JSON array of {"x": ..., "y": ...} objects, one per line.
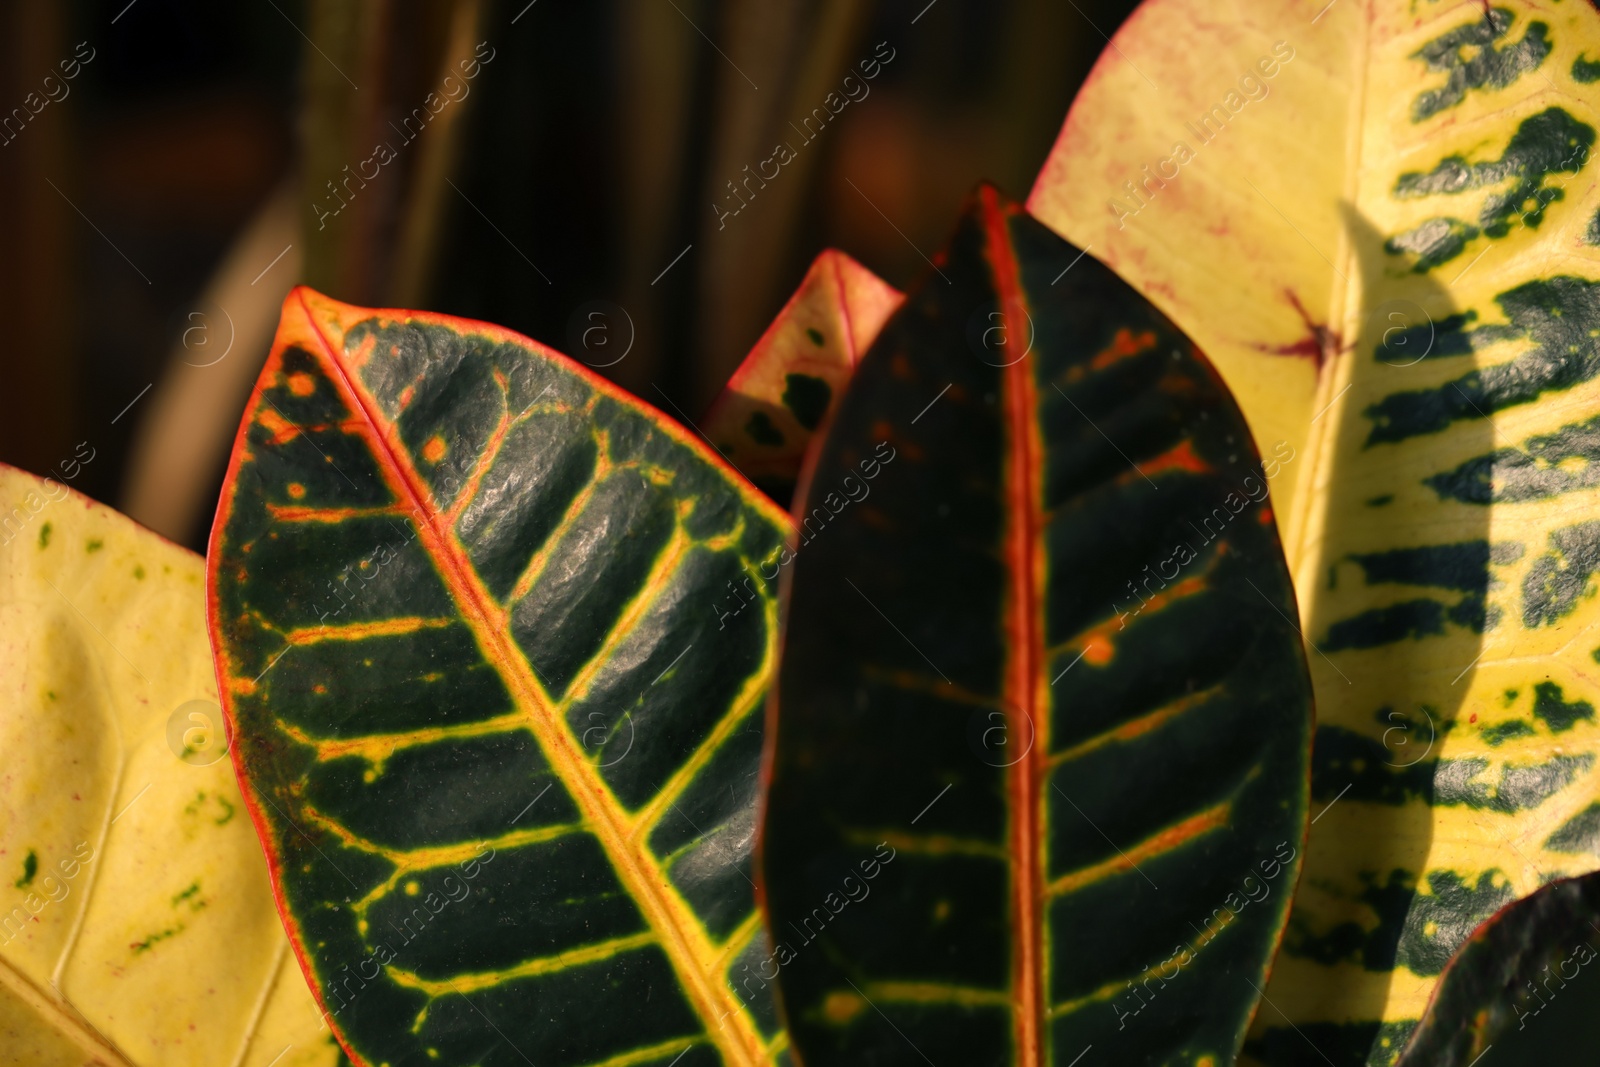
[
  {"x": 1023, "y": 699},
  {"x": 1309, "y": 519},
  {"x": 678, "y": 933}
]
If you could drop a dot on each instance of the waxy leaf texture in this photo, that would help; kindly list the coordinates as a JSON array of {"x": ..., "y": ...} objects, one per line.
[
  {"x": 1042, "y": 721},
  {"x": 494, "y": 651},
  {"x": 1523, "y": 983},
  {"x": 1380, "y": 218}
]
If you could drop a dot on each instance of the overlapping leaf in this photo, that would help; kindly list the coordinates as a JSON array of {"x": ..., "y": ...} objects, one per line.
[
  {"x": 1042, "y": 723},
  {"x": 136, "y": 918},
  {"x": 1403, "y": 192},
  {"x": 765, "y": 416},
  {"x": 494, "y": 640},
  {"x": 1168, "y": 182},
  {"x": 1522, "y": 984}
]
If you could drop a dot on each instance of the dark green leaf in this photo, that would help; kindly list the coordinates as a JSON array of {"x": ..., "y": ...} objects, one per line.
[
  {"x": 1524, "y": 985},
  {"x": 1043, "y": 714},
  {"x": 494, "y": 650}
]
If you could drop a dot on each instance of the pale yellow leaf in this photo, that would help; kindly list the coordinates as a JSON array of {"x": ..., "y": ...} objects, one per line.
[
  {"x": 137, "y": 924},
  {"x": 1402, "y": 191}
]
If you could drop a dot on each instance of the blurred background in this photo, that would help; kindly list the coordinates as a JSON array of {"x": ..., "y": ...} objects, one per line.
[{"x": 170, "y": 168}]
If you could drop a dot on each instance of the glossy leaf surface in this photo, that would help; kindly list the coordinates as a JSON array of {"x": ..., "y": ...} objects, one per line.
[
  {"x": 1522, "y": 983},
  {"x": 494, "y": 650},
  {"x": 136, "y": 918},
  {"x": 1419, "y": 179},
  {"x": 766, "y": 415},
  {"x": 1042, "y": 718}
]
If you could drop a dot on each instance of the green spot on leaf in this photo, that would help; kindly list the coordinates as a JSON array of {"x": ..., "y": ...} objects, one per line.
[
  {"x": 1438, "y": 921},
  {"x": 94, "y": 545},
  {"x": 1551, "y": 142},
  {"x": 1463, "y": 566},
  {"x": 808, "y": 398},
  {"x": 761, "y": 430},
  {"x": 44, "y": 536},
  {"x": 1487, "y": 67},
  {"x": 138, "y": 571},
  {"x": 30, "y": 867},
  {"x": 1580, "y": 834},
  {"x": 1556, "y": 314},
  {"x": 1434, "y": 242},
  {"x": 816, "y": 336},
  {"x": 1500, "y": 733},
  {"x": 1555, "y": 712},
  {"x": 1585, "y": 70},
  {"x": 192, "y": 895},
  {"x": 1559, "y": 579},
  {"x": 156, "y": 938}
]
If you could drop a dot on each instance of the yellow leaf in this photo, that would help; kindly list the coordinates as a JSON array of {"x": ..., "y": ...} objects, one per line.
[
  {"x": 1379, "y": 219},
  {"x": 136, "y": 918},
  {"x": 766, "y": 415}
]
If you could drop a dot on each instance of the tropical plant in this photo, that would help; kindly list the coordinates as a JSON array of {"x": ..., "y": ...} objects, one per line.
[
  {"x": 1084, "y": 741},
  {"x": 136, "y": 923},
  {"x": 567, "y": 744},
  {"x": 470, "y": 819},
  {"x": 1383, "y": 231}
]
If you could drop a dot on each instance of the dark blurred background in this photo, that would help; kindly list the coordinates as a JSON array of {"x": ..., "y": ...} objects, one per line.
[{"x": 169, "y": 168}]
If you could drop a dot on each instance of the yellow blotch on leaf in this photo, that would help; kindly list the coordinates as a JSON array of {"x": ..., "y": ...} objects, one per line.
[
  {"x": 1098, "y": 650},
  {"x": 840, "y": 1007}
]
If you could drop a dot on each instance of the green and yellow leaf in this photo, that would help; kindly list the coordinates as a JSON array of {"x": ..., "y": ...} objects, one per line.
[
  {"x": 765, "y": 416},
  {"x": 136, "y": 918},
  {"x": 1521, "y": 983},
  {"x": 1401, "y": 192},
  {"x": 494, "y": 640},
  {"x": 1043, "y": 719}
]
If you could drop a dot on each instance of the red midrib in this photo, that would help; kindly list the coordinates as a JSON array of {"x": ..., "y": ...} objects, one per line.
[{"x": 1022, "y": 696}]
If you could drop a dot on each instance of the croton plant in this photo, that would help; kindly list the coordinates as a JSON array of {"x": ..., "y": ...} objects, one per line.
[{"x": 1164, "y": 635}]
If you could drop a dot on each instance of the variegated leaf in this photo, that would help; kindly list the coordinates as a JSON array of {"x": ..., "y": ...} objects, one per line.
[
  {"x": 1403, "y": 192},
  {"x": 1043, "y": 719},
  {"x": 494, "y": 643},
  {"x": 783, "y": 392},
  {"x": 136, "y": 919}
]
